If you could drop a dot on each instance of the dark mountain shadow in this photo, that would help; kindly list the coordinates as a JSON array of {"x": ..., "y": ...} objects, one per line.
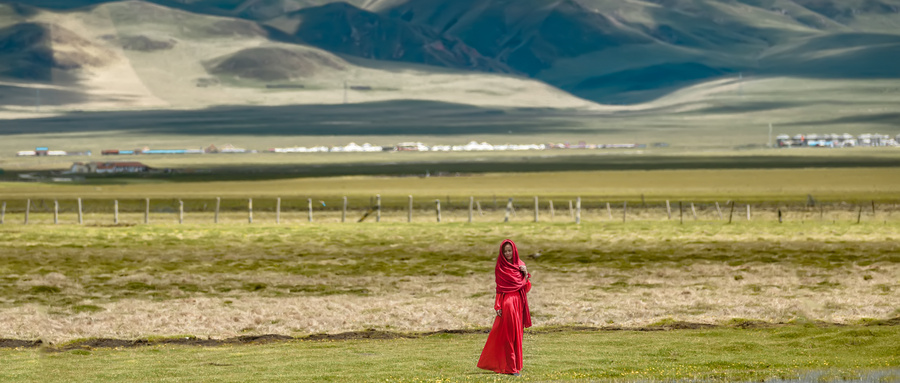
[
  {"x": 380, "y": 118},
  {"x": 640, "y": 85},
  {"x": 345, "y": 29},
  {"x": 27, "y": 96}
]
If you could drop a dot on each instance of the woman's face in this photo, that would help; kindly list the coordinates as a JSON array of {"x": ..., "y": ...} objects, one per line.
[{"x": 508, "y": 252}]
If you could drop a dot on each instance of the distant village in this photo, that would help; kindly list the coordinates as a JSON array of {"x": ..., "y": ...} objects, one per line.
[
  {"x": 108, "y": 167},
  {"x": 835, "y": 140}
]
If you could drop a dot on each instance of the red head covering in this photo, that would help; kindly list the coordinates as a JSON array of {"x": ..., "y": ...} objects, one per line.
[
  {"x": 511, "y": 280},
  {"x": 508, "y": 276}
]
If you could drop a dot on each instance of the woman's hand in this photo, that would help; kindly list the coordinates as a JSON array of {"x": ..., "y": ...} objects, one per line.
[
  {"x": 499, "y": 312},
  {"x": 523, "y": 269}
]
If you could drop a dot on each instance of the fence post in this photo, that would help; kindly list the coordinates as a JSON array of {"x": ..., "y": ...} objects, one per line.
[
  {"x": 508, "y": 210},
  {"x": 471, "y": 207},
  {"x": 873, "y": 210},
  {"x": 437, "y": 204},
  {"x": 409, "y": 212},
  {"x": 250, "y": 210},
  {"x": 3, "y": 213},
  {"x": 718, "y": 210},
  {"x": 609, "y": 211},
  {"x": 180, "y": 212},
  {"x": 344, "y": 211},
  {"x": 116, "y": 212},
  {"x": 571, "y": 210},
  {"x": 578, "y": 211},
  {"x": 731, "y": 214},
  {"x": 80, "y": 214},
  {"x": 378, "y": 208},
  {"x": 147, "y": 210},
  {"x": 693, "y": 211},
  {"x": 748, "y": 211},
  {"x": 27, "y": 210},
  {"x": 278, "y": 210},
  {"x": 310, "y": 207},
  {"x": 478, "y": 206},
  {"x": 552, "y": 212},
  {"x": 536, "y": 210},
  {"x": 681, "y": 212},
  {"x": 624, "y": 211},
  {"x": 668, "y": 210},
  {"x": 56, "y": 212},
  {"x": 859, "y": 216},
  {"x": 779, "y": 216},
  {"x": 218, "y": 205}
]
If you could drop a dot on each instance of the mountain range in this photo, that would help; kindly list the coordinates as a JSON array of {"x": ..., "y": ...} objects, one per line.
[{"x": 554, "y": 53}]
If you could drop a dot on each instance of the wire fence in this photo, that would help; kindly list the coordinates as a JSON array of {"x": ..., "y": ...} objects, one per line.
[{"x": 449, "y": 210}]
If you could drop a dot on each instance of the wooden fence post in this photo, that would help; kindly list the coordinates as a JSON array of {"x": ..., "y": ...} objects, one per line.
[
  {"x": 56, "y": 212},
  {"x": 693, "y": 211},
  {"x": 27, "y": 210},
  {"x": 552, "y": 212},
  {"x": 378, "y": 208},
  {"x": 779, "y": 216},
  {"x": 3, "y": 213},
  {"x": 578, "y": 211},
  {"x": 250, "y": 210},
  {"x": 410, "y": 212},
  {"x": 536, "y": 210},
  {"x": 571, "y": 210},
  {"x": 478, "y": 206},
  {"x": 731, "y": 214},
  {"x": 681, "y": 212},
  {"x": 80, "y": 214},
  {"x": 624, "y": 211},
  {"x": 309, "y": 207},
  {"x": 437, "y": 203},
  {"x": 609, "y": 211},
  {"x": 718, "y": 210},
  {"x": 147, "y": 211},
  {"x": 859, "y": 216},
  {"x": 471, "y": 207},
  {"x": 873, "y": 209},
  {"x": 668, "y": 210},
  {"x": 180, "y": 212},
  {"x": 748, "y": 211},
  {"x": 344, "y": 211},
  {"x": 278, "y": 210},
  {"x": 508, "y": 210},
  {"x": 218, "y": 205},
  {"x": 116, "y": 212}
]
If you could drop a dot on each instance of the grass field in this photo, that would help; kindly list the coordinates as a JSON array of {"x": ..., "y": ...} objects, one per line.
[
  {"x": 815, "y": 354},
  {"x": 62, "y": 283}
]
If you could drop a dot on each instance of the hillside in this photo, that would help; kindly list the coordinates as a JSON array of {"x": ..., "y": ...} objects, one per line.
[{"x": 138, "y": 55}]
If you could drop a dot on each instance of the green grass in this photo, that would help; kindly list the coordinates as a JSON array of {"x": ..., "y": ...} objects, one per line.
[
  {"x": 726, "y": 355},
  {"x": 239, "y": 259}
]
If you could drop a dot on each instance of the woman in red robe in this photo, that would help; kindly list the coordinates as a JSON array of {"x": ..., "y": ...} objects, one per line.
[{"x": 503, "y": 351}]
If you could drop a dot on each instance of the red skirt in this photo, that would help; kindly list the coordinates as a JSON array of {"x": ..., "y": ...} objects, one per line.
[{"x": 503, "y": 351}]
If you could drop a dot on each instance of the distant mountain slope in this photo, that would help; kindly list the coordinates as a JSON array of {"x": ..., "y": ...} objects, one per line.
[
  {"x": 608, "y": 51},
  {"x": 343, "y": 28},
  {"x": 135, "y": 54}
]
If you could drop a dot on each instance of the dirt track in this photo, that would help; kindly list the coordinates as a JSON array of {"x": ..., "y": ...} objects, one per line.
[{"x": 374, "y": 334}]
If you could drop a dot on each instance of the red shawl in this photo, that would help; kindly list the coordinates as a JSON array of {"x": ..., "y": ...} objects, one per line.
[{"x": 510, "y": 279}]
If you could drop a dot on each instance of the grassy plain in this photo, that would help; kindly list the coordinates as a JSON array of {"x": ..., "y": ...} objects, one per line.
[
  {"x": 726, "y": 354},
  {"x": 67, "y": 282}
]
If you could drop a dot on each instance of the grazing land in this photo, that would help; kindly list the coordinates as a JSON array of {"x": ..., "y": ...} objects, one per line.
[
  {"x": 815, "y": 353},
  {"x": 68, "y": 282}
]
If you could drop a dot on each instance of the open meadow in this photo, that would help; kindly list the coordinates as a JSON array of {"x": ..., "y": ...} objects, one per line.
[{"x": 753, "y": 299}]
